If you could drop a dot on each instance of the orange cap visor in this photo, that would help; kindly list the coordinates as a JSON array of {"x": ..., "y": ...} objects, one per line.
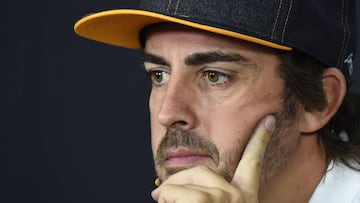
[{"x": 122, "y": 27}]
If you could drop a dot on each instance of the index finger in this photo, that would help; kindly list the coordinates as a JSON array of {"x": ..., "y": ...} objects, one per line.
[{"x": 247, "y": 173}]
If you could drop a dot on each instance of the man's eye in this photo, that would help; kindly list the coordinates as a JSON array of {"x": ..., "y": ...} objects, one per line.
[
  {"x": 159, "y": 77},
  {"x": 216, "y": 78}
]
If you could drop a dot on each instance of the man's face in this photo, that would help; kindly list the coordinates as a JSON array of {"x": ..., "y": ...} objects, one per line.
[{"x": 208, "y": 94}]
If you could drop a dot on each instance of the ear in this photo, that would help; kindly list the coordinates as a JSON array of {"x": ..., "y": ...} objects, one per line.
[{"x": 334, "y": 86}]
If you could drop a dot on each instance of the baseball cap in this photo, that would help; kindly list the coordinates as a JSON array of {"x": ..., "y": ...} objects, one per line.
[{"x": 324, "y": 29}]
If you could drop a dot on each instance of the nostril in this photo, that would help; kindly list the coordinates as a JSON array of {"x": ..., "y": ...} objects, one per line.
[
  {"x": 182, "y": 123},
  {"x": 179, "y": 124}
]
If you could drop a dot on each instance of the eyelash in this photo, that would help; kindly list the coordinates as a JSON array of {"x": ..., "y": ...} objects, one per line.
[
  {"x": 224, "y": 78},
  {"x": 153, "y": 73}
]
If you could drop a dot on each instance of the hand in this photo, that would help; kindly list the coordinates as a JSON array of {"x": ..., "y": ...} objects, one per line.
[{"x": 202, "y": 185}]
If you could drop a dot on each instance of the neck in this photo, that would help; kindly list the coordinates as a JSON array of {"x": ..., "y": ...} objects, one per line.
[{"x": 297, "y": 181}]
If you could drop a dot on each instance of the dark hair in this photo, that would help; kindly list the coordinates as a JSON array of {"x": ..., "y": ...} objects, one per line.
[{"x": 303, "y": 83}]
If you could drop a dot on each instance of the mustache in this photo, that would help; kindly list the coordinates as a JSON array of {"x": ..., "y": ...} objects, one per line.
[{"x": 175, "y": 138}]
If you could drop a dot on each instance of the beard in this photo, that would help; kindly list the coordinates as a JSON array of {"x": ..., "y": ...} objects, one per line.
[{"x": 276, "y": 155}]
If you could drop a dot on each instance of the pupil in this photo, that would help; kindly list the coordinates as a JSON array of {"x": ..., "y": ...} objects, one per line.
[
  {"x": 158, "y": 76},
  {"x": 213, "y": 77}
]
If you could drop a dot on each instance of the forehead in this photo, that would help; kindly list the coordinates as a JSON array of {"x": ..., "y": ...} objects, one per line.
[{"x": 170, "y": 33}]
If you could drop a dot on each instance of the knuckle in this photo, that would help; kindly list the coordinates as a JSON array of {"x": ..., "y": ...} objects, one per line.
[{"x": 237, "y": 198}]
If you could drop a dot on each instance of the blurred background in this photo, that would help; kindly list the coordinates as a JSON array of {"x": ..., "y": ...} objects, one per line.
[{"x": 75, "y": 120}]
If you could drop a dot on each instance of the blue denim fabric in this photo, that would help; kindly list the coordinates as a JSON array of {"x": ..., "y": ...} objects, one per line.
[{"x": 321, "y": 28}]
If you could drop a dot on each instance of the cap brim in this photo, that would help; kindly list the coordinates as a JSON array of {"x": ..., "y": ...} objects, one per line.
[{"x": 122, "y": 27}]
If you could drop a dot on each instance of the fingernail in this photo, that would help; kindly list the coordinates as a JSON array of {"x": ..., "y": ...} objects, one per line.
[{"x": 270, "y": 122}]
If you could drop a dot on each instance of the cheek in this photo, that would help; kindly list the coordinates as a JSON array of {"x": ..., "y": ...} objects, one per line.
[
  {"x": 157, "y": 131},
  {"x": 235, "y": 121},
  {"x": 232, "y": 133},
  {"x": 231, "y": 123}
]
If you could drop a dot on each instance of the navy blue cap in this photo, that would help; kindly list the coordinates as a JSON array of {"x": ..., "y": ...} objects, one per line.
[{"x": 324, "y": 29}]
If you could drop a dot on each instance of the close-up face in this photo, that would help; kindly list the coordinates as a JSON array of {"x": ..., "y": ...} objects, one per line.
[{"x": 208, "y": 94}]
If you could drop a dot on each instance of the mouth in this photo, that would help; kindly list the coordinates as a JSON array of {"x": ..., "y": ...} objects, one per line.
[{"x": 185, "y": 158}]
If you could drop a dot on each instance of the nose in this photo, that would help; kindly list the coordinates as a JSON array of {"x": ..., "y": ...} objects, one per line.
[{"x": 177, "y": 106}]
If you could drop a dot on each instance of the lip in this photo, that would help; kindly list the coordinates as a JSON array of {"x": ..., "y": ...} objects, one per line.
[{"x": 184, "y": 158}]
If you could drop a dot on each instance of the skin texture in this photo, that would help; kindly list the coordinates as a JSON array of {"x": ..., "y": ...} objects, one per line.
[{"x": 204, "y": 112}]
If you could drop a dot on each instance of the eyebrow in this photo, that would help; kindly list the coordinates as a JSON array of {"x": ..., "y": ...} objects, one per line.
[
  {"x": 147, "y": 57},
  {"x": 197, "y": 58},
  {"x": 214, "y": 56}
]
